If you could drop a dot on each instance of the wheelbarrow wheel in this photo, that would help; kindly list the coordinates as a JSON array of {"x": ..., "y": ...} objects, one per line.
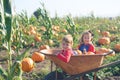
[{"x": 55, "y": 76}]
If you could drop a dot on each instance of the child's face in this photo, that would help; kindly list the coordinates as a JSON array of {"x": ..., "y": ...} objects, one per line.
[
  {"x": 87, "y": 38},
  {"x": 66, "y": 45}
]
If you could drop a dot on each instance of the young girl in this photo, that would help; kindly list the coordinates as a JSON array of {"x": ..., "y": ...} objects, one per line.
[
  {"x": 67, "y": 52},
  {"x": 86, "y": 44}
]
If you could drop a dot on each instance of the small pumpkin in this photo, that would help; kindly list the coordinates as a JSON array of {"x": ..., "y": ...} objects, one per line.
[
  {"x": 56, "y": 28},
  {"x": 64, "y": 30},
  {"x": 104, "y": 40},
  {"x": 27, "y": 64},
  {"x": 89, "y": 53},
  {"x": 33, "y": 32},
  {"x": 117, "y": 47},
  {"x": 98, "y": 31},
  {"x": 44, "y": 47},
  {"x": 79, "y": 52},
  {"x": 106, "y": 33},
  {"x": 38, "y": 57},
  {"x": 32, "y": 27},
  {"x": 51, "y": 42},
  {"x": 37, "y": 38}
]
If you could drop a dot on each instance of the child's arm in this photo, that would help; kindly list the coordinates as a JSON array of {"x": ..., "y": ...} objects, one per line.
[
  {"x": 91, "y": 48},
  {"x": 65, "y": 56}
]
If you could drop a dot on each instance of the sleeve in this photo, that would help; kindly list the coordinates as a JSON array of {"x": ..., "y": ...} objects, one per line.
[
  {"x": 78, "y": 46},
  {"x": 91, "y": 48},
  {"x": 65, "y": 56}
]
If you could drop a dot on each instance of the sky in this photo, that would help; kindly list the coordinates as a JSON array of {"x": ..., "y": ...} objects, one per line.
[{"x": 100, "y": 8}]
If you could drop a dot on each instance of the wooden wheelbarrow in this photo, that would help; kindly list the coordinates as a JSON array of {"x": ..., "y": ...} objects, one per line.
[{"x": 78, "y": 64}]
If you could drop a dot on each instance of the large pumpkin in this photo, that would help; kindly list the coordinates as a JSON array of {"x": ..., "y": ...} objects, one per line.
[
  {"x": 27, "y": 64},
  {"x": 117, "y": 47},
  {"x": 38, "y": 57},
  {"x": 104, "y": 50},
  {"x": 104, "y": 40}
]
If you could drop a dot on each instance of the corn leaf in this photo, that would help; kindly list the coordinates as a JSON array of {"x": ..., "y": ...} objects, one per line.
[
  {"x": 3, "y": 72},
  {"x": 24, "y": 54}
]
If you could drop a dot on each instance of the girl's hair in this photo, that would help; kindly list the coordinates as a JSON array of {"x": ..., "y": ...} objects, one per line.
[
  {"x": 86, "y": 32},
  {"x": 68, "y": 39}
]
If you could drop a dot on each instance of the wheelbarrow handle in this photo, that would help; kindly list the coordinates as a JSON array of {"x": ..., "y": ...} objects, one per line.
[
  {"x": 46, "y": 53},
  {"x": 110, "y": 52},
  {"x": 43, "y": 53}
]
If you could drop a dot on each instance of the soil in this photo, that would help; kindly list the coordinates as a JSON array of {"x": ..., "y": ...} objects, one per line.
[{"x": 44, "y": 66}]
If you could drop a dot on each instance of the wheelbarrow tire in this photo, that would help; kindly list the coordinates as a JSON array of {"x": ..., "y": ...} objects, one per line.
[{"x": 52, "y": 76}]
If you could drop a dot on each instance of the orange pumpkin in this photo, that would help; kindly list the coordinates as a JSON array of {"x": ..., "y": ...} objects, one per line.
[
  {"x": 37, "y": 38},
  {"x": 32, "y": 27},
  {"x": 104, "y": 40},
  {"x": 44, "y": 47},
  {"x": 27, "y": 64},
  {"x": 64, "y": 30},
  {"x": 33, "y": 32},
  {"x": 38, "y": 57},
  {"x": 98, "y": 31},
  {"x": 117, "y": 47},
  {"x": 104, "y": 50},
  {"x": 79, "y": 52},
  {"x": 89, "y": 53},
  {"x": 56, "y": 28},
  {"x": 106, "y": 34}
]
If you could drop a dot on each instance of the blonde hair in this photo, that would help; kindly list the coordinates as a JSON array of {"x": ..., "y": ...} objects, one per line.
[
  {"x": 68, "y": 39},
  {"x": 84, "y": 33}
]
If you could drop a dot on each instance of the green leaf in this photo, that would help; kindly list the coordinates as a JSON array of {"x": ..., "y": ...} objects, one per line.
[
  {"x": 16, "y": 69},
  {"x": 3, "y": 72}
]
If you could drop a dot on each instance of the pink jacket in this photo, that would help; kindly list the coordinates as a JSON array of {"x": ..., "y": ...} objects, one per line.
[{"x": 65, "y": 55}]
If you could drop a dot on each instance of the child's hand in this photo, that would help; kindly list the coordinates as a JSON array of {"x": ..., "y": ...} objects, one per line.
[{"x": 57, "y": 53}]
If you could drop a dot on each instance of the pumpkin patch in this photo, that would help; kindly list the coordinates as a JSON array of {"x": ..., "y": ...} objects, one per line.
[{"x": 21, "y": 34}]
